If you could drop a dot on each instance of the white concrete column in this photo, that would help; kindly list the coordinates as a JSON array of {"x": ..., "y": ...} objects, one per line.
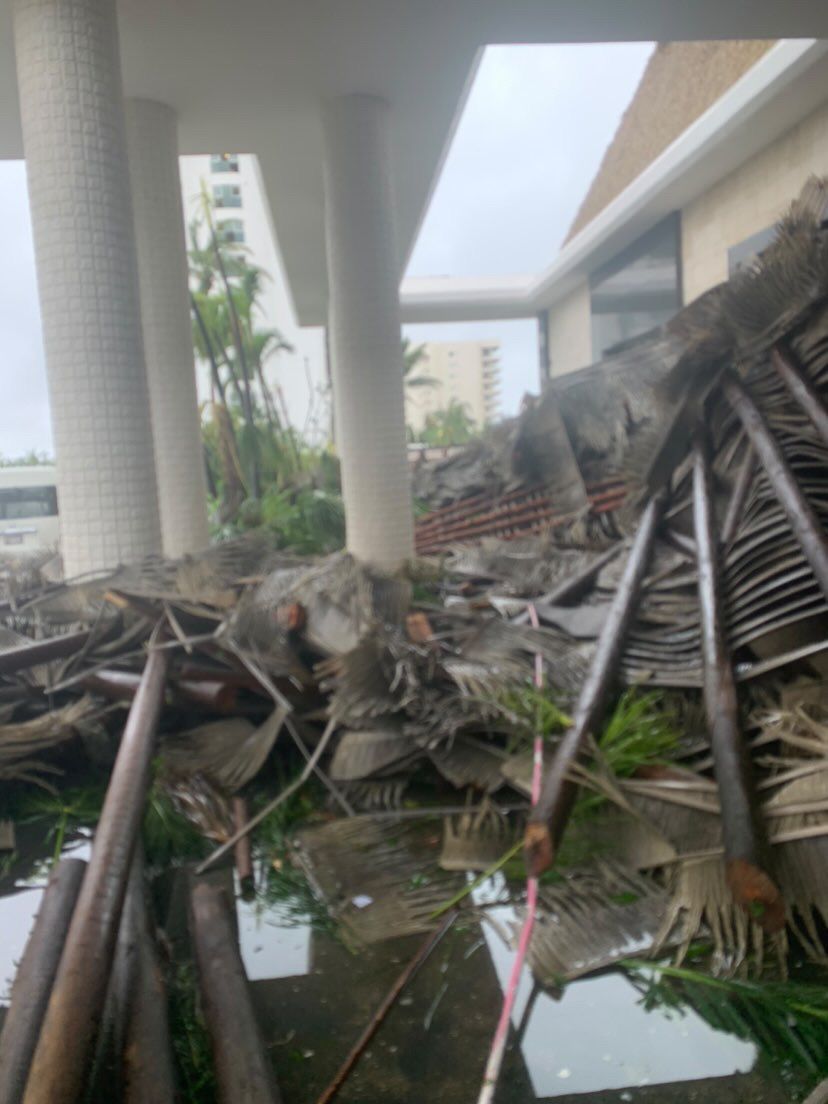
[
  {"x": 152, "y": 141},
  {"x": 69, "y": 77},
  {"x": 364, "y": 330}
]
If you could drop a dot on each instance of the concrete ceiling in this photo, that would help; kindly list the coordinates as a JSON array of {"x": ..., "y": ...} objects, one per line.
[{"x": 249, "y": 76}]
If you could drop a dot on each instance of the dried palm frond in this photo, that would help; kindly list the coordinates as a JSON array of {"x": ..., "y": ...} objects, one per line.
[
  {"x": 228, "y": 753},
  {"x": 25, "y": 739},
  {"x": 197, "y": 799},
  {"x": 384, "y": 795},
  {"x": 596, "y": 916},
  {"x": 701, "y": 902},
  {"x": 372, "y": 751},
  {"x": 465, "y": 761},
  {"x": 378, "y": 878},
  {"x": 802, "y": 865},
  {"x": 474, "y": 841}
]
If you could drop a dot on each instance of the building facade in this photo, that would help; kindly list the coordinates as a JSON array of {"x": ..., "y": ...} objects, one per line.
[
  {"x": 464, "y": 372},
  {"x": 233, "y": 185},
  {"x": 699, "y": 243}
]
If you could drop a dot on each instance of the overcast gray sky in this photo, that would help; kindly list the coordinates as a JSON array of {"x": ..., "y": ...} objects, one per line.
[{"x": 535, "y": 127}]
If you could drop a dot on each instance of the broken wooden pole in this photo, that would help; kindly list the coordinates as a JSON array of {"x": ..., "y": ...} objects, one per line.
[
  {"x": 243, "y": 1070},
  {"x": 751, "y": 885},
  {"x": 78, "y": 995},
  {"x": 148, "y": 1070},
  {"x": 802, "y": 389},
  {"x": 243, "y": 851},
  {"x": 42, "y": 651},
  {"x": 549, "y": 817},
  {"x": 804, "y": 523},
  {"x": 35, "y": 975}
]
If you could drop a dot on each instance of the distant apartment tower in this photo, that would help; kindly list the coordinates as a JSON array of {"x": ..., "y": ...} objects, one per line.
[
  {"x": 467, "y": 372},
  {"x": 241, "y": 212}
]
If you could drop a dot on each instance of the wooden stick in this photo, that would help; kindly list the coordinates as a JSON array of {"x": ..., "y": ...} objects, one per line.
[
  {"x": 801, "y": 387},
  {"x": 243, "y": 1069},
  {"x": 76, "y": 1004},
  {"x": 35, "y": 974},
  {"x": 805, "y": 524},
  {"x": 749, "y": 881},
  {"x": 549, "y": 817},
  {"x": 391, "y": 998}
]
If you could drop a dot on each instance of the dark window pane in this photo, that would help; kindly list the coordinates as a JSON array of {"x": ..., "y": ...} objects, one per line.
[
  {"x": 638, "y": 290},
  {"x": 745, "y": 253},
  {"x": 27, "y": 502}
]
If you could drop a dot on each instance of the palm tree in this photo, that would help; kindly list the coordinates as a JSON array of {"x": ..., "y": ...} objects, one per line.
[
  {"x": 412, "y": 356},
  {"x": 452, "y": 426}
]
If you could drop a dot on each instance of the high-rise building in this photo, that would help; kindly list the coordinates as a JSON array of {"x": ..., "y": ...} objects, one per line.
[
  {"x": 465, "y": 372},
  {"x": 233, "y": 184}
]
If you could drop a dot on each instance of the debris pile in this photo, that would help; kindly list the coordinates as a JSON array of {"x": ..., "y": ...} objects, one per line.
[{"x": 674, "y": 610}]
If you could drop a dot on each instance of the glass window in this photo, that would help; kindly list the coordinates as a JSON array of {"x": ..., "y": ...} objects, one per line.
[
  {"x": 27, "y": 502},
  {"x": 230, "y": 231},
  {"x": 638, "y": 290},
  {"x": 224, "y": 162},
  {"x": 227, "y": 195},
  {"x": 745, "y": 253}
]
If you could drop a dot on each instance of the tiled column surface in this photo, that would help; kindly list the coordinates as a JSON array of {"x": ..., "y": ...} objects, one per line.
[
  {"x": 73, "y": 130},
  {"x": 152, "y": 141},
  {"x": 363, "y": 278}
]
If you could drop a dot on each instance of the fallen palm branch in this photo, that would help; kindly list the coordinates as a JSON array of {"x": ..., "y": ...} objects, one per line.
[
  {"x": 551, "y": 813},
  {"x": 750, "y": 882}
]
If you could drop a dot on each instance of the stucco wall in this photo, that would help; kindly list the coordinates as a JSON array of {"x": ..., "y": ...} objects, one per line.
[
  {"x": 570, "y": 338},
  {"x": 748, "y": 200}
]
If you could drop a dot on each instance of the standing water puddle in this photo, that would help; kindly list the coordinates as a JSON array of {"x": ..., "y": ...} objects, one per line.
[{"x": 314, "y": 996}]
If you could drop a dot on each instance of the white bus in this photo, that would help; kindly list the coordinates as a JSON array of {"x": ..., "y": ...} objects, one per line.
[{"x": 28, "y": 510}]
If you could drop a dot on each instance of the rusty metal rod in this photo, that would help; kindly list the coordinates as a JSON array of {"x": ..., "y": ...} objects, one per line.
[
  {"x": 802, "y": 389},
  {"x": 147, "y": 1066},
  {"x": 549, "y": 817},
  {"x": 243, "y": 1070},
  {"x": 749, "y": 881},
  {"x": 736, "y": 505},
  {"x": 805, "y": 524},
  {"x": 76, "y": 1005},
  {"x": 35, "y": 974},
  {"x": 42, "y": 651}
]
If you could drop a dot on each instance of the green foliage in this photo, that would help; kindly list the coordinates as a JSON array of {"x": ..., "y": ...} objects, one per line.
[
  {"x": 306, "y": 521},
  {"x": 66, "y": 811},
  {"x": 529, "y": 712},
  {"x": 190, "y": 1040},
  {"x": 640, "y": 730},
  {"x": 787, "y": 1021},
  {"x": 168, "y": 836},
  {"x": 451, "y": 426},
  {"x": 30, "y": 459}
]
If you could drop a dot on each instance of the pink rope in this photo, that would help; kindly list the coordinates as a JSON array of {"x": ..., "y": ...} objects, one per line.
[{"x": 498, "y": 1048}]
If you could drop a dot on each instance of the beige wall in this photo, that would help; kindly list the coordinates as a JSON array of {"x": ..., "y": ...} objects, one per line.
[
  {"x": 570, "y": 335},
  {"x": 750, "y": 199},
  {"x": 467, "y": 372}
]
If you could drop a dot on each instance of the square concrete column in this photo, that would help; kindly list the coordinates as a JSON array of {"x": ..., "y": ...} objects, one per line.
[
  {"x": 364, "y": 331},
  {"x": 69, "y": 77},
  {"x": 152, "y": 141}
]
